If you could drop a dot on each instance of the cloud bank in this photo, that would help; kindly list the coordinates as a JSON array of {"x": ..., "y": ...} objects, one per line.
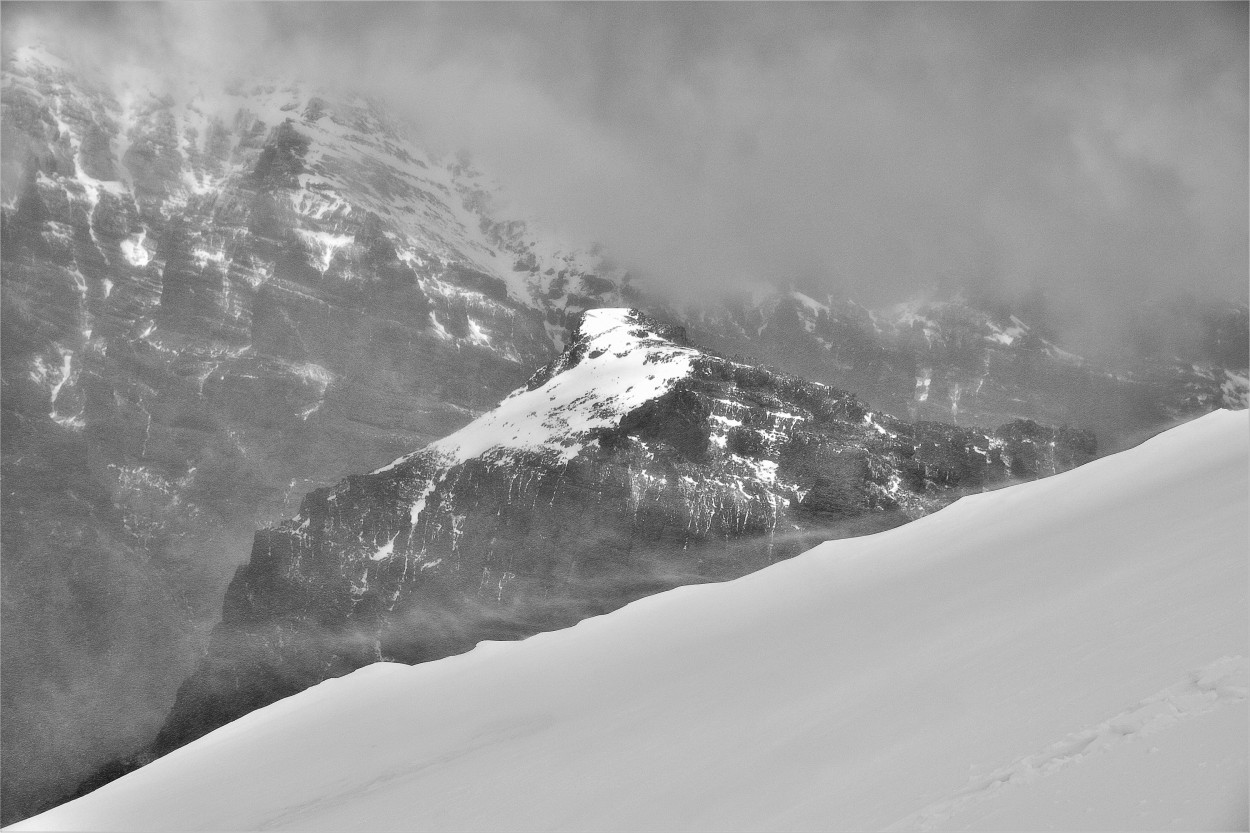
[{"x": 1093, "y": 152}]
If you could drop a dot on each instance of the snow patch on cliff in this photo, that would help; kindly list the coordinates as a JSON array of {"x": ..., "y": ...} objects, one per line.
[
  {"x": 385, "y": 551},
  {"x": 134, "y": 250},
  {"x": 325, "y": 245},
  {"x": 1007, "y": 336}
]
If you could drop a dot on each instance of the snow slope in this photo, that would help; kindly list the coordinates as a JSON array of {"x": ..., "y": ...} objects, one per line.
[{"x": 1068, "y": 653}]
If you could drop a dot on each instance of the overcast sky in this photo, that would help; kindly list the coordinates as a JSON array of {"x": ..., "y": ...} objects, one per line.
[{"x": 1096, "y": 150}]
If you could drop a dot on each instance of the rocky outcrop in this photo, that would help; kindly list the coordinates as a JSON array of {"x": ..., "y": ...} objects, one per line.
[{"x": 632, "y": 464}]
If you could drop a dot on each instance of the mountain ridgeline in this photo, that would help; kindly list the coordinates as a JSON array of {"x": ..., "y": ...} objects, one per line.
[{"x": 633, "y": 463}]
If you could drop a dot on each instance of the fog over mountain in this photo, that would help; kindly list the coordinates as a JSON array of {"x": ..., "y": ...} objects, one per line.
[
  {"x": 231, "y": 285},
  {"x": 1094, "y": 154}
]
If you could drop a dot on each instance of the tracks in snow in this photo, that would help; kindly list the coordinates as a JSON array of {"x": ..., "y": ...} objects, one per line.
[{"x": 1222, "y": 682}]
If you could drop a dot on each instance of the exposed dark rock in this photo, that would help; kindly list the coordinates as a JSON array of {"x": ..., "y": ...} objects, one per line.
[{"x": 282, "y": 159}]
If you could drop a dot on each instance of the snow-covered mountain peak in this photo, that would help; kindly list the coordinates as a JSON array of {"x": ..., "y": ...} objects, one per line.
[{"x": 617, "y": 360}]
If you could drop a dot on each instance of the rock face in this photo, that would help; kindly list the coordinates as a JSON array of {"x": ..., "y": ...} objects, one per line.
[{"x": 631, "y": 464}]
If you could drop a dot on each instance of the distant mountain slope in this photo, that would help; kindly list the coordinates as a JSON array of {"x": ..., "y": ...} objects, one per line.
[
  {"x": 1067, "y": 653},
  {"x": 972, "y": 360},
  {"x": 631, "y": 464}
]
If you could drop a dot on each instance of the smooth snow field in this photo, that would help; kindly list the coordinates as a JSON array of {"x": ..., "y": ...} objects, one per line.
[{"x": 1064, "y": 654}]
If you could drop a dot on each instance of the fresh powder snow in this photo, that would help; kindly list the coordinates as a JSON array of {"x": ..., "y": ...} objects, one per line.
[{"x": 1069, "y": 653}]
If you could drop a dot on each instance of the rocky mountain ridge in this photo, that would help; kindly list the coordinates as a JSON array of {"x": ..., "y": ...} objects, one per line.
[
  {"x": 631, "y": 464},
  {"x": 958, "y": 358}
]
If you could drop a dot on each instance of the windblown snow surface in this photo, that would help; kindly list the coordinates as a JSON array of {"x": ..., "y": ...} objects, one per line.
[{"x": 1069, "y": 653}]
